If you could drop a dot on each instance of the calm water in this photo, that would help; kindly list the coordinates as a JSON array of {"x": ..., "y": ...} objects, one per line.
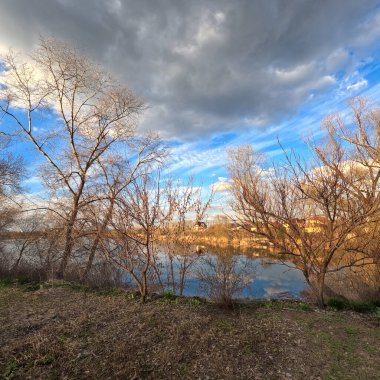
[{"x": 266, "y": 277}]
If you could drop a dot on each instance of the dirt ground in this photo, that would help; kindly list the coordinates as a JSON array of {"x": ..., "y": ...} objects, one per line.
[{"x": 62, "y": 333}]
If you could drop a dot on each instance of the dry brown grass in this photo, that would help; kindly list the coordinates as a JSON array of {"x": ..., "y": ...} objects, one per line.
[{"x": 61, "y": 333}]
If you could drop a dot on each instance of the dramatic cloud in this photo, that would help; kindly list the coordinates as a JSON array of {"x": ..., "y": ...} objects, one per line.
[{"x": 210, "y": 66}]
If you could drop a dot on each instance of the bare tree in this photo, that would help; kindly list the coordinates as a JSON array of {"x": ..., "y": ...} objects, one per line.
[
  {"x": 188, "y": 204},
  {"x": 303, "y": 209},
  {"x": 92, "y": 113},
  {"x": 116, "y": 174},
  {"x": 132, "y": 243},
  {"x": 361, "y": 172}
]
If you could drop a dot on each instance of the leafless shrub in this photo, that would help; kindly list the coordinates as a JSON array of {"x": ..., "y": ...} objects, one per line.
[{"x": 224, "y": 277}]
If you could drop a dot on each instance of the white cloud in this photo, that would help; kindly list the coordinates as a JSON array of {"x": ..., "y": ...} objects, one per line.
[
  {"x": 221, "y": 186},
  {"x": 358, "y": 85}
]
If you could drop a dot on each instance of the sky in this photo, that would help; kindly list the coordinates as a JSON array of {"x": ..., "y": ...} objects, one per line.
[{"x": 216, "y": 74}]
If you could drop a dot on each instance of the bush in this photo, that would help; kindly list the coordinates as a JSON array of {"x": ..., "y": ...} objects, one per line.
[
  {"x": 361, "y": 307},
  {"x": 224, "y": 277},
  {"x": 6, "y": 282},
  {"x": 377, "y": 313},
  {"x": 24, "y": 280},
  {"x": 338, "y": 303}
]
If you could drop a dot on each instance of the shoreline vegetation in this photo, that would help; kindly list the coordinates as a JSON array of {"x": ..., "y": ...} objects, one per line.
[
  {"x": 63, "y": 330},
  {"x": 219, "y": 240}
]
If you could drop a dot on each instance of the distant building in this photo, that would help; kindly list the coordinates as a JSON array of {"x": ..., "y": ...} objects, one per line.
[
  {"x": 315, "y": 224},
  {"x": 312, "y": 224}
]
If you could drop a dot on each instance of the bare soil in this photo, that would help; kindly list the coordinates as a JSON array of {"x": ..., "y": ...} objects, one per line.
[{"x": 62, "y": 333}]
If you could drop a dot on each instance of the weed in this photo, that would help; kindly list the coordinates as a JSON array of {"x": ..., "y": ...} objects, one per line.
[
  {"x": 377, "y": 313},
  {"x": 304, "y": 306},
  {"x": 169, "y": 295},
  {"x": 193, "y": 301},
  {"x": 132, "y": 296},
  {"x": 10, "y": 368}
]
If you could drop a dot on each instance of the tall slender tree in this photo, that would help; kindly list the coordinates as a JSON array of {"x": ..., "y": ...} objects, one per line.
[{"x": 73, "y": 113}]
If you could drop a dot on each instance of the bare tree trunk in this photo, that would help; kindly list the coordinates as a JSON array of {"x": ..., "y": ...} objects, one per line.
[
  {"x": 20, "y": 256},
  {"x": 184, "y": 266},
  {"x": 96, "y": 242},
  {"x": 69, "y": 242},
  {"x": 144, "y": 287},
  {"x": 17, "y": 263},
  {"x": 91, "y": 257},
  {"x": 321, "y": 289}
]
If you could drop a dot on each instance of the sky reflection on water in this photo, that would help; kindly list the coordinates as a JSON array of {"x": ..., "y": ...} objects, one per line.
[{"x": 271, "y": 279}]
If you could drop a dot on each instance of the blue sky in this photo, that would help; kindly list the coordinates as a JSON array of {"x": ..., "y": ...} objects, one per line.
[{"x": 216, "y": 74}]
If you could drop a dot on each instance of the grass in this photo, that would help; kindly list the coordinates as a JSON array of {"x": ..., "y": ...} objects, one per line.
[
  {"x": 339, "y": 303},
  {"x": 70, "y": 332}
]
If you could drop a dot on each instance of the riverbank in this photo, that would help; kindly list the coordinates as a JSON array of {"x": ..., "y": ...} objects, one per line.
[{"x": 62, "y": 332}]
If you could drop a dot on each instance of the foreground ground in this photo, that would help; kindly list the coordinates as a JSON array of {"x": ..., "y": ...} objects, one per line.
[{"x": 61, "y": 333}]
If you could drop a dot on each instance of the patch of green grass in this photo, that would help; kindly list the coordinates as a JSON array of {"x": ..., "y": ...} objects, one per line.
[
  {"x": 24, "y": 282},
  {"x": 304, "y": 306},
  {"x": 224, "y": 325},
  {"x": 10, "y": 368},
  {"x": 110, "y": 292},
  {"x": 377, "y": 313},
  {"x": 340, "y": 352},
  {"x": 351, "y": 330},
  {"x": 169, "y": 295}
]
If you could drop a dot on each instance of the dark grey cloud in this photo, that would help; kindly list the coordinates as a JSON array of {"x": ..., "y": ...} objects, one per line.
[{"x": 206, "y": 66}]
